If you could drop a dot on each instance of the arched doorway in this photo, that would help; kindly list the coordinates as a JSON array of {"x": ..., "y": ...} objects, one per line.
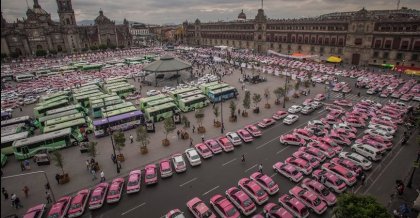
[
  {"x": 39, "y": 47},
  {"x": 18, "y": 51},
  {"x": 59, "y": 48}
]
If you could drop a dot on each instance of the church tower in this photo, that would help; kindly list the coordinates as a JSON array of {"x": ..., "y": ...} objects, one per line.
[{"x": 66, "y": 13}]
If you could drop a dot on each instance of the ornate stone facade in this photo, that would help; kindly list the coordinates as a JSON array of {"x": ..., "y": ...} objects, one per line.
[
  {"x": 39, "y": 32},
  {"x": 360, "y": 37}
]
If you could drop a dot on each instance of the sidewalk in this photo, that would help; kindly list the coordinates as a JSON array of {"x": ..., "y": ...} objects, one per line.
[{"x": 74, "y": 161}]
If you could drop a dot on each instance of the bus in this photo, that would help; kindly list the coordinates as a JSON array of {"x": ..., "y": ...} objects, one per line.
[
  {"x": 77, "y": 107},
  {"x": 64, "y": 119},
  {"x": 45, "y": 98},
  {"x": 192, "y": 102},
  {"x": 85, "y": 92},
  {"x": 84, "y": 99},
  {"x": 40, "y": 121},
  {"x": 124, "y": 91},
  {"x": 92, "y": 67},
  {"x": 5, "y": 115},
  {"x": 76, "y": 126},
  {"x": 116, "y": 107},
  {"x": 24, "y": 119},
  {"x": 51, "y": 100},
  {"x": 13, "y": 129},
  {"x": 144, "y": 102},
  {"x": 7, "y": 142},
  {"x": 203, "y": 87},
  {"x": 115, "y": 80},
  {"x": 160, "y": 112},
  {"x": 42, "y": 109},
  {"x": 29, "y": 147},
  {"x": 106, "y": 87},
  {"x": 97, "y": 105},
  {"x": 119, "y": 122},
  {"x": 160, "y": 102},
  {"x": 24, "y": 77},
  {"x": 188, "y": 94},
  {"x": 84, "y": 89},
  {"x": 42, "y": 73},
  {"x": 175, "y": 94},
  {"x": 216, "y": 87},
  {"x": 118, "y": 111},
  {"x": 222, "y": 94}
]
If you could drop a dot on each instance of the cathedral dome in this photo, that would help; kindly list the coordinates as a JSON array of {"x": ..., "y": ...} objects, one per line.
[{"x": 242, "y": 16}]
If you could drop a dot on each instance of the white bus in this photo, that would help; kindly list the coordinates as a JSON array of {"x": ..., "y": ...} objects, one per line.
[{"x": 24, "y": 77}]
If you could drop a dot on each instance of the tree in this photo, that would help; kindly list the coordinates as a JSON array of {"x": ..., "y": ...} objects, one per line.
[
  {"x": 169, "y": 126},
  {"x": 119, "y": 140},
  {"x": 40, "y": 53},
  {"x": 93, "y": 47},
  {"x": 267, "y": 94},
  {"x": 351, "y": 205},
  {"x": 247, "y": 100},
  {"x": 216, "y": 114},
  {"x": 279, "y": 92},
  {"x": 58, "y": 159},
  {"x": 232, "y": 106},
  {"x": 143, "y": 137},
  {"x": 103, "y": 47},
  {"x": 92, "y": 149},
  {"x": 256, "y": 98}
]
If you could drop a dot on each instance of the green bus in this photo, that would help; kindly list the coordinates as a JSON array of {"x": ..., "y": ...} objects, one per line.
[
  {"x": 13, "y": 129},
  {"x": 216, "y": 87},
  {"x": 160, "y": 101},
  {"x": 51, "y": 100},
  {"x": 106, "y": 87},
  {"x": 115, "y": 80},
  {"x": 118, "y": 111},
  {"x": 97, "y": 105},
  {"x": 84, "y": 99},
  {"x": 54, "y": 95},
  {"x": 77, "y": 107},
  {"x": 40, "y": 121},
  {"x": 116, "y": 106},
  {"x": 144, "y": 102},
  {"x": 29, "y": 147},
  {"x": 3, "y": 159},
  {"x": 76, "y": 126},
  {"x": 42, "y": 109},
  {"x": 175, "y": 94},
  {"x": 99, "y": 97},
  {"x": 188, "y": 94},
  {"x": 84, "y": 89},
  {"x": 124, "y": 91},
  {"x": 64, "y": 119},
  {"x": 24, "y": 119},
  {"x": 204, "y": 87},
  {"x": 92, "y": 67},
  {"x": 192, "y": 102},
  {"x": 160, "y": 112},
  {"x": 7, "y": 142}
]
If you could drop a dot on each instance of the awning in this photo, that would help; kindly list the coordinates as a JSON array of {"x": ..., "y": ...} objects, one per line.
[
  {"x": 413, "y": 72},
  {"x": 388, "y": 66},
  {"x": 334, "y": 59}
]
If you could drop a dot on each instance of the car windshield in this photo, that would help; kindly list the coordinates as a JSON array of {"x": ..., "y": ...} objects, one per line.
[
  {"x": 317, "y": 201},
  {"x": 247, "y": 202},
  {"x": 325, "y": 192},
  {"x": 180, "y": 164},
  {"x": 132, "y": 183},
  {"x": 96, "y": 198},
  {"x": 294, "y": 172},
  {"x": 194, "y": 157},
  {"x": 206, "y": 214},
  {"x": 231, "y": 212},
  {"x": 75, "y": 206},
  {"x": 54, "y": 215},
  {"x": 260, "y": 193},
  {"x": 114, "y": 192},
  {"x": 236, "y": 138},
  {"x": 339, "y": 181},
  {"x": 271, "y": 184},
  {"x": 349, "y": 175},
  {"x": 150, "y": 176}
]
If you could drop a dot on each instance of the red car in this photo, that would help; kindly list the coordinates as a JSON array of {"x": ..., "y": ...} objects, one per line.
[
  {"x": 213, "y": 146},
  {"x": 330, "y": 120},
  {"x": 320, "y": 190},
  {"x": 272, "y": 210},
  {"x": 115, "y": 190},
  {"x": 343, "y": 133},
  {"x": 35, "y": 212},
  {"x": 150, "y": 174},
  {"x": 255, "y": 191},
  {"x": 199, "y": 209},
  {"x": 358, "y": 123},
  {"x": 78, "y": 203},
  {"x": 335, "y": 113},
  {"x": 313, "y": 161},
  {"x": 292, "y": 204},
  {"x": 245, "y": 135},
  {"x": 97, "y": 197},
  {"x": 292, "y": 139},
  {"x": 241, "y": 200},
  {"x": 225, "y": 144},
  {"x": 343, "y": 102},
  {"x": 165, "y": 168},
  {"x": 330, "y": 180},
  {"x": 265, "y": 182},
  {"x": 266, "y": 122},
  {"x": 134, "y": 181},
  {"x": 346, "y": 175},
  {"x": 373, "y": 143},
  {"x": 307, "y": 101},
  {"x": 203, "y": 150},
  {"x": 324, "y": 148},
  {"x": 319, "y": 97},
  {"x": 279, "y": 115},
  {"x": 330, "y": 142},
  {"x": 334, "y": 107},
  {"x": 300, "y": 164},
  {"x": 59, "y": 208},
  {"x": 304, "y": 134},
  {"x": 253, "y": 130},
  {"x": 175, "y": 213},
  {"x": 224, "y": 207},
  {"x": 315, "y": 152},
  {"x": 310, "y": 199},
  {"x": 288, "y": 170},
  {"x": 350, "y": 165},
  {"x": 339, "y": 139}
]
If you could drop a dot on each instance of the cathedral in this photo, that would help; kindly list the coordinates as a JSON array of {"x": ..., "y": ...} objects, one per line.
[{"x": 39, "y": 32}]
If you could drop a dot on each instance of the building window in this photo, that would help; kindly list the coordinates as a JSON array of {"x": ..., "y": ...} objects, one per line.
[
  {"x": 378, "y": 43},
  {"x": 387, "y": 44},
  {"x": 385, "y": 55},
  {"x": 414, "y": 57},
  {"x": 312, "y": 48},
  {"x": 333, "y": 41},
  {"x": 327, "y": 41},
  {"x": 272, "y": 45},
  {"x": 358, "y": 41},
  {"x": 404, "y": 45},
  {"x": 375, "y": 54},
  {"x": 341, "y": 42},
  {"x": 400, "y": 56},
  {"x": 321, "y": 50},
  {"x": 289, "y": 47}
]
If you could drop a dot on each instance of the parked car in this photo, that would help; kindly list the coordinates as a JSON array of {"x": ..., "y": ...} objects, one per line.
[
  {"x": 266, "y": 122},
  {"x": 253, "y": 130},
  {"x": 367, "y": 151},
  {"x": 292, "y": 204},
  {"x": 313, "y": 161},
  {"x": 357, "y": 159},
  {"x": 98, "y": 195},
  {"x": 179, "y": 163},
  {"x": 346, "y": 175},
  {"x": 199, "y": 209},
  {"x": 315, "y": 152},
  {"x": 300, "y": 164},
  {"x": 175, "y": 213},
  {"x": 150, "y": 174},
  {"x": 272, "y": 210},
  {"x": 214, "y": 147},
  {"x": 330, "y": 180},
  {"x": 115, "y": 190},
  {"x": 134, "y": 181},
  {"x": 224, "y": 207},
  {"x": 265, "y": 182},
  {"x": 310, "y": 199},
  {"x": 203, "y": 150},
  {"x": 59, "y": 208},
  {"x": 255, "y": 191},
  {"x": 290, "y": 119},
  {"x": 241, "y": 200},
  {"x": 245, "y": 135},
  {"x": 319, "y": 189},
  {"x": 225, "y": 144},
  {"x": 35, "y": 212},
  {"x": 234, "y": 138},
  {"x": 279, "y": 115},
  {"x": 193, "y": 157},
  {"x": 294, "y": 109},
  {"x": 165, "y": 168}
]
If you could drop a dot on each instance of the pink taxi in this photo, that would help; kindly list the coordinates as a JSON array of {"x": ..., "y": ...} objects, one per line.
[
  {"x": 78, "y": 203},
  {"x": 134, "y": 181},
  {"x": 115, "y": 190},
  {"x": 310, "y": 199},
  {"x": 265, "y": 182}
]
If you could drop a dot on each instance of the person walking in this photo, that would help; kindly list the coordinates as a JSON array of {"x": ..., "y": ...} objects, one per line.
[
  {"x": 57, "y": 178},
  {"x": 25, "y": 191},
  {"x": 22, "y": 166},
  {"x": 260, "y": 168},
  {"x": 131, "y": 139},
  {"x": 17, "y": 203},
  {"x": 243, "y": 158},
  {"x": 102, "y": 176},
  {"x": 191, "y": 142},
  {"x": 93, "y": 172},
  {"x": 5, "y": 194},
  {"x": 202, "y": 138},
  {"x": 178, "y": 133},
  {"x": 13, "y": 199},
  {"x": 193, "y": 128},
  {"x": 362, "y": 178},
  {"x": 48, "y": 197},
  {"x": 87, "y": 165},
  {"x": 26, "y": 163}
]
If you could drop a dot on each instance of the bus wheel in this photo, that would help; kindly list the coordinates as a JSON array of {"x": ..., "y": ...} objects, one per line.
[{"x": 75, "y": 143}]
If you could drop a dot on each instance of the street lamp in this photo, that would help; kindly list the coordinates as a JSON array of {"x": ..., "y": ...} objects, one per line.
[
  {"x": 410, "y": 181},
  {"x": 285, "y": 91},
  {"x": 221, "y": 109},
  {"x": 112, "y": 140}
]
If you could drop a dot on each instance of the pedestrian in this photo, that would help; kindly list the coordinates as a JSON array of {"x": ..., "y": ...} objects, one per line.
[
  {"x": 131, "y": 139},
  {"x": 93, "y": 172},
  {"x": 178, "y": 133},
  {"x": 17, "y": 203},
  {"x": 260, "y": 168},
  {"x": 358, "y": 94},
  {"x": 243, "y": 158},
  {"x": 87, "y": 164},
  {"x": 13, "y": 199},
  {"x": 239, "y": 111},
  {"x": 25, "y": 191},
  {"x": 193, "y": 128},
  {"x": 5, "y": 194},
  {"x": 102, "y": 176},
  {"x": 202, "y": 138},
  {"x": 57, "y": 178},
  {"x": 26, "y": 163},
  {"x": 20, "y": 108},
  {"x": 113, "y": 158},
  {"x": 48, "y": 197},
  {"x": 400, "y": 187},
  {"x": 323, "y": 179},
  {"x": 191, "y": 142},
  {"x": 47, "y": 186},
  {"x": 22, "y": 167},
  {"x": 363, "y": 178}
]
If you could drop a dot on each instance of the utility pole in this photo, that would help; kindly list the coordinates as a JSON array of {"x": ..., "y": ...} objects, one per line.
[
  {"x": 285, "y": 91},
  {"x": 410, "y": 181}
]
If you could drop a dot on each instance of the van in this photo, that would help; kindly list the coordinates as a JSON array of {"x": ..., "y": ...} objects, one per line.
[{"x": 368, "y": 151}]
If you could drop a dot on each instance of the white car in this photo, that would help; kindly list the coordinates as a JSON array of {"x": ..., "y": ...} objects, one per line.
[
  {"x": 294, "y": 109},
  {"x": 367, "y": 151},
  {"x": 234, "y": 138},
  {"x": 345, "y": 126},
  {"x": 193, "y": 157},
  {"x": 316, "y": 104},
  {"x": 384, "y": 128},
  {"x": 290, "y": 119},
  {"x": 179, "y": 163},
  {"x": 152, "y": 92},
  {"x": 357, "y": 159},
  {"x": 381, "y": 133}
]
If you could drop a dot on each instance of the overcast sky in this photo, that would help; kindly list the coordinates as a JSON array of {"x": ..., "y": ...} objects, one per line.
[{"x": 177, "y": 11}]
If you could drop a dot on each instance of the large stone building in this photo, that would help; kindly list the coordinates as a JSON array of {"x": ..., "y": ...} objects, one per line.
[
  {"x": 360, "y": 37},
  {"x": 39, "y": 32}
]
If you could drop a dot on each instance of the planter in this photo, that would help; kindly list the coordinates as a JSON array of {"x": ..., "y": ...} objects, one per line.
[
  {"x": 144, "y": 150},
  {"x": 267, "y": 106},
  {"x": 245, "y": 114},
  {"x": 286, "y": 98},
  {"x": 256, "y": 110},
  {"x": 166, "y": 142},
  {"x": 296, "y": 95},
  {"x": 217, "y": 124},
  {"x": 185, "y": 135},
  {"x": 120, "y": 157},
  {"x": 64, "y": 178},
  {"x": 201, "y": 129},
  {"x": 277, "y": 102},
  {"x": 233, "y": 119}
]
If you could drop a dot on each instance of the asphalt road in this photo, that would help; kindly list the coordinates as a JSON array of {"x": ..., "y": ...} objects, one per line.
[{"x": 223, "y": 171}]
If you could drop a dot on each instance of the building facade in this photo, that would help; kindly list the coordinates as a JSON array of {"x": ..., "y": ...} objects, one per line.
[
  {"x": 39, "y": 32},
  {"x": 140, "y": 33},
  {"x": 360, "y": 37}
]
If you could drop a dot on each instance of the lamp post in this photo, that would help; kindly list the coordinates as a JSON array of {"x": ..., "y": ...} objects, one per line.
[
  {"x": 410, "y": 181},
  {"x": 285, "y": 91},
  {"x": 221, "y": 109},
  {"x": 112, "y": 141}
]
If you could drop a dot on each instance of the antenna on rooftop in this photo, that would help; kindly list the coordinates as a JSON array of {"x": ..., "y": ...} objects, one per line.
[{"x": 398, "y": 4}]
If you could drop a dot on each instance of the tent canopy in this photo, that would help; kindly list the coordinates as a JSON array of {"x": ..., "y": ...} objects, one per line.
[
  {"x": 167, "y": 64},
  {"x": 334, "y": 59}
]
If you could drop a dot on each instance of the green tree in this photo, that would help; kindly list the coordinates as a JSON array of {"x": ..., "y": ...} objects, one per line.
[
  {"x": 40, "y": 53},
  {"x": 93, "y": 47},
  {"x": 256, "y": 98},
  {"x": 103, "y": 47},
  {"x": 199, "y": 115},
  {"x": 58, "y": 160},
  {"x": 216, "y": 112},
  {"x": 92, "y": 149},
  {"x": 351, "y": 205},
  {"x": 142, "y": 136},
  {"x": 247, "y": 100},
  {"x": 232, "y": 106},
  {"x": 169, "y": 126},
  {"x": 267, "y": 94},
  {"x": 119, "y": 140},
  {"x": 279, "y": 92}
]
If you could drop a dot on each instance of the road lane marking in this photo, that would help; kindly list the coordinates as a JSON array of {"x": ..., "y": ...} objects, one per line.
[
  {"x": 229, "y": 162},
  {"x": 128, "y": 211},
  {"x": 258, "y": 147},
  {"x": 321, "y": 111},
  {"x": 250, "y": 168},
  {"x": 278, "y": 152},
  {"x": 192, "y": 180},
  {"x": 205, "y": 193},
  {"x": 273, "y": 175}
]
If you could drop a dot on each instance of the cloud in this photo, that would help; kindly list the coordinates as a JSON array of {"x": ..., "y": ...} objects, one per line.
[{"x": 177, "y": 11}]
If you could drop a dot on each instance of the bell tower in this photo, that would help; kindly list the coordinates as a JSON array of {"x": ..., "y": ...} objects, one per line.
[{"x": 66, "y": 13}]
